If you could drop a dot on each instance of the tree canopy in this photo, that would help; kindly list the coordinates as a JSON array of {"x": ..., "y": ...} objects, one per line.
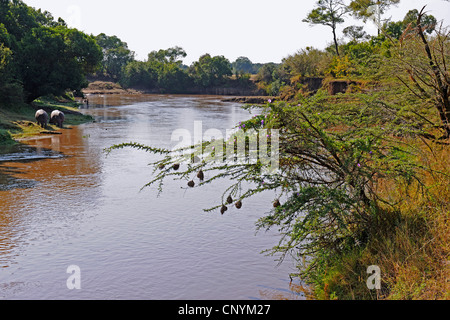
[
  {"x": 46, "y": 56},
  {"x": 328, "y": 13},
  {"x": 243, "y": 65},
  {"x": 210, "y": 71},
  {"x": 116, "y": 55}
]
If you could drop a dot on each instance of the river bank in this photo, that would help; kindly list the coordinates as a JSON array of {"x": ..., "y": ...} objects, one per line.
[
  {"x": 110, "y": 88},
  {"x": 18, "y": 122}
]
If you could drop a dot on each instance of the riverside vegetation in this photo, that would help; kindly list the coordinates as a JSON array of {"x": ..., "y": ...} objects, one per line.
[{"x": 363, "y": 174}]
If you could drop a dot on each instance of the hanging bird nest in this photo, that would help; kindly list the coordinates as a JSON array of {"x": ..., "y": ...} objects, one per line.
[
  {"x": 223, "y": 209},
  {"x": 276, "y": 204},
  {"x": 201, "y": 175}
]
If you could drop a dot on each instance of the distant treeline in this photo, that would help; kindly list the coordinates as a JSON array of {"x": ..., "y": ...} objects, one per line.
[
  {"x": 164, "y": 70},
  {"x": 41, "y": 56}
]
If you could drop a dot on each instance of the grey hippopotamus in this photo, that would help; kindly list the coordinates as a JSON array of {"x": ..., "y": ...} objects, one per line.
[
  {"x": 57, "y": 117},
  {"x": 42, "y": 118}
]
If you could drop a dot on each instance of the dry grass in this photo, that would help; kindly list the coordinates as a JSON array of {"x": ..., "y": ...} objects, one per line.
[
  {"x": 409, "y": 241},
  {"x": 414, "y": 253}
]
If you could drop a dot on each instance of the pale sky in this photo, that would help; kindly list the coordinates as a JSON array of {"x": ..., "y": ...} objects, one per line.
[{"x": 262, "y": 30}]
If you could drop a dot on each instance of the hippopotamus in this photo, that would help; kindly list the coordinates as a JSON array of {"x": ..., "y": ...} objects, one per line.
[
  {"x": 57, "y": 117},
  {"x": 42, "y": 118}
]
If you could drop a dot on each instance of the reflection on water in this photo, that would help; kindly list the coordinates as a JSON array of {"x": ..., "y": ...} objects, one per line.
[
  {"x": 25, "y": 154},
  {"x": 64, "y": 202}
]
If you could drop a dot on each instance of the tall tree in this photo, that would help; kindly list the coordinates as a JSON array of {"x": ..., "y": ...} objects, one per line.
[
  {"x": 397, "y": 29},
  {"x": 171, "y": 55},
  {"x": 328, "y": 13},
  {"x": 428, "y": 21},
  {"x": 166, "y": 64},
  {"x": 137, "y": 74},
  {"x": 53, "y": 60},
  {"x": 210, "y": 71},
  {"x": 116, "y": 55},
  {"x": 243, "y": 65},
  {"x": 371, "y": 9},
  {"x": 47, "y": 57},
  {"x": 355, "y": 33}
]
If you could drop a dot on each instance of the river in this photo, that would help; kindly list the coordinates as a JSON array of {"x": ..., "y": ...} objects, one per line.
[{"x": 63, "y": 202}]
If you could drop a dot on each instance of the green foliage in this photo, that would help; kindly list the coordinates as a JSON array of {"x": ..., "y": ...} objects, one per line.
[
  {"x": 5, "y": 56},
  {"x": 171, "y": 55},
  {"x": 364, "y": 9},
  {"x": 307, "y": 62},
  {"x": 48, "y": 58},
  {"x": 164, "y": 71},
  {"x": 355, "y": 33},
  {"x": 267, "y": 73},
  {"x": 210, "y": 71},
  {"x": 340, "y": 67},
  {"x": 371, "y": 9},
  {"x": 327, "y": 176},
  {"x": 5, "y": 138},
  {"x": 397, "y": 29},
  {"x": 166, "y": 65},
  {"x": 172, "y": 78},
  {"x": 244, "y": 65},
  {"x": 138, "y": 74},
  {"x": 428, "y": 22},
  {"x": 328, "y": 13},
  {"x": 116, "y": 55},
  {"x": 61, "y": 59}
]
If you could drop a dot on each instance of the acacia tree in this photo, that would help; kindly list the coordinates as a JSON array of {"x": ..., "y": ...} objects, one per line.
[
  {"x": 328, "y": 13},
  {"x": 325, "y": 188}
]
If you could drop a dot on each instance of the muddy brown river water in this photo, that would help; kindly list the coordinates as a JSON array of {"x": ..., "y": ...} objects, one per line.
[{"x": 63, "y": 202}]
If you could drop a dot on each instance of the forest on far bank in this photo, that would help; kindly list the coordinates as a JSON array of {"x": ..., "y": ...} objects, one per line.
[{"x": 41, "y": 55}]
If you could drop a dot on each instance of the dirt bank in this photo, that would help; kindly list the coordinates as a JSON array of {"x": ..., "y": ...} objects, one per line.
[{"x": 104, "y": 87}]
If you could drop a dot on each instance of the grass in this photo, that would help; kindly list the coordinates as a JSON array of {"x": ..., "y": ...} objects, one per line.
[
  {"x": 410, "y": 242},
  {"x": 18, "y": 122},
  {"x": 5, "y": 138},
  {"x": 70, "y": 108}
]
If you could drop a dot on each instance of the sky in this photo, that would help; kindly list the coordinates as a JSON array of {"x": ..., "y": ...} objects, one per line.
[{"x": 262, "y": 30}]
